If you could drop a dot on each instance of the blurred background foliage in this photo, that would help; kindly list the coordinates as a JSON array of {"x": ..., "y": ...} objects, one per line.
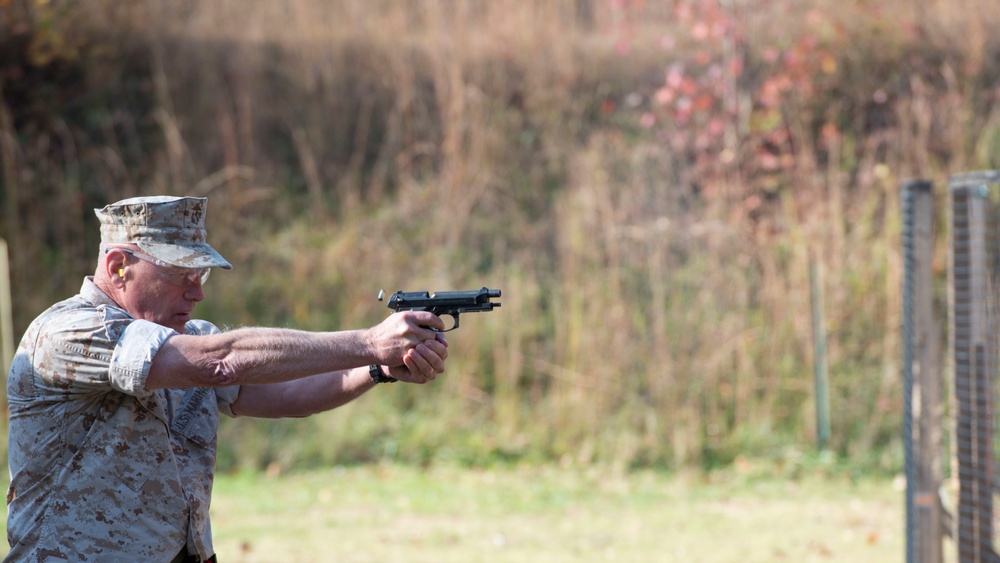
[{"x": 646, "y": 181}]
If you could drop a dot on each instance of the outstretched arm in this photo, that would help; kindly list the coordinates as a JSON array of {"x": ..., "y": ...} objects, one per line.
[
  {"x": 256, "y": 356},
  {"x": 318, "y": 393}
]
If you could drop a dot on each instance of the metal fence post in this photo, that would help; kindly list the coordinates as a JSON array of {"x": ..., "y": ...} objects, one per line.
[
  {"x": 819, "y": 356},
  {"x": 974, "y": 354},
  {"x": 921, "y": 379}
]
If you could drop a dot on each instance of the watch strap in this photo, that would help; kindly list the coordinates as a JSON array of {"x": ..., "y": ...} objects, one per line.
[{"x": 379, "y": 376}]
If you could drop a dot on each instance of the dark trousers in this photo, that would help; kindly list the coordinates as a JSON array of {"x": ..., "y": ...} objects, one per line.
[{"x": 183, "y": 557}]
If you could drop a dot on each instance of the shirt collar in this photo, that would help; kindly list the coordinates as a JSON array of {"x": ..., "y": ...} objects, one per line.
[{"x": 92, "y": 293}]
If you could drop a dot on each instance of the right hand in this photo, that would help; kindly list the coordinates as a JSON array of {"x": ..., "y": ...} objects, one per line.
[{"x": 401, "y": 332}]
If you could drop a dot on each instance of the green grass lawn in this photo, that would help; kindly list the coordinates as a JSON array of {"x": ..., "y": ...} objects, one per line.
[{"x": 393, "y": 513}]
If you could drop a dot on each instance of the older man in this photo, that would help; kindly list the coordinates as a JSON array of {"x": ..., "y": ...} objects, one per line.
[{"x": 115, "y": 393}]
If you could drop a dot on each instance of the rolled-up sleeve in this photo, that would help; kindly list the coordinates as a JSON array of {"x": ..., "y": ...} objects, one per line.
[
  {"x": 133, "y": 354},
  {"x": 225, "y": 397}
]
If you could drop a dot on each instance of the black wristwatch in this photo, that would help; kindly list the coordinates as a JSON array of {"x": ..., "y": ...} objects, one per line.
[{"x": 378, "y": 376}]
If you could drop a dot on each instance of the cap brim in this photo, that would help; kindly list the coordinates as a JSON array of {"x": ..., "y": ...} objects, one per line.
[{"x": 190, "y": 255}]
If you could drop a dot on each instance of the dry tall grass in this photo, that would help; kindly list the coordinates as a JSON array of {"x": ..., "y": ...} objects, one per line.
[{"x": 646, "y": 181}]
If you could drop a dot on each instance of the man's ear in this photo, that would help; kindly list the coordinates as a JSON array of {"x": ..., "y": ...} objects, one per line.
[{"x": 114, "y": 267}]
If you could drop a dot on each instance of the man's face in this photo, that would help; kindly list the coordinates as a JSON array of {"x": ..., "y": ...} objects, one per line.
[{"x": 163, "y": 294}]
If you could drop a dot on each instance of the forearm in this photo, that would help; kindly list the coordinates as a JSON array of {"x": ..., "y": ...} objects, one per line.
[
  {"x": 256, "y": 356},
  {"x": 303, "y": 397}
]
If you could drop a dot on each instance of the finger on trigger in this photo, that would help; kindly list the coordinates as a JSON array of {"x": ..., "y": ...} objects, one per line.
[{"x": 433, "y": 322}]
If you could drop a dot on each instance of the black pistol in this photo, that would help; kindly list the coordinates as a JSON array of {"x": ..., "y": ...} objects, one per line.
[{"x": 450, "y": 303}]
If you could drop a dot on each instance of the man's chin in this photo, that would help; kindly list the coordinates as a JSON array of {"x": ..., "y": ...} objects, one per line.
[{"x": 178, "y": 322}]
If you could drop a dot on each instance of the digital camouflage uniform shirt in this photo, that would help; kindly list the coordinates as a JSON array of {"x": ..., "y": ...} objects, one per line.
[{"x": 101, "y": 469}]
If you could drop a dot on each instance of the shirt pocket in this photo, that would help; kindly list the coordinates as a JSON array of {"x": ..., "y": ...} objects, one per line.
[
  {"x": 131, "y": 446},
  {"x": 197, "y": 417}
]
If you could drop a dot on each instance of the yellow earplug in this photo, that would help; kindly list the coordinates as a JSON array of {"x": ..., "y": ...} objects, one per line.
[{"x": 121, "y": 272}]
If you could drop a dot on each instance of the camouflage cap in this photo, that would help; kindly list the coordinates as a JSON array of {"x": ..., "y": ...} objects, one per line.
[{"x": 169, "y": 228}]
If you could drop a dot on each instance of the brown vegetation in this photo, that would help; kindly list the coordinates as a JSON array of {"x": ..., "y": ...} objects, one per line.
[{"x": 645, "y": 181}]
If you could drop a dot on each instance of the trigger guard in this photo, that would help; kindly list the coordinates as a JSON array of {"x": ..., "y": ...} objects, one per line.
[{"x": 453, "y": 326}]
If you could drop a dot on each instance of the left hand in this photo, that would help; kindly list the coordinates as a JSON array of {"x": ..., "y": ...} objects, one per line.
[{"x": 423, "y": 362}]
